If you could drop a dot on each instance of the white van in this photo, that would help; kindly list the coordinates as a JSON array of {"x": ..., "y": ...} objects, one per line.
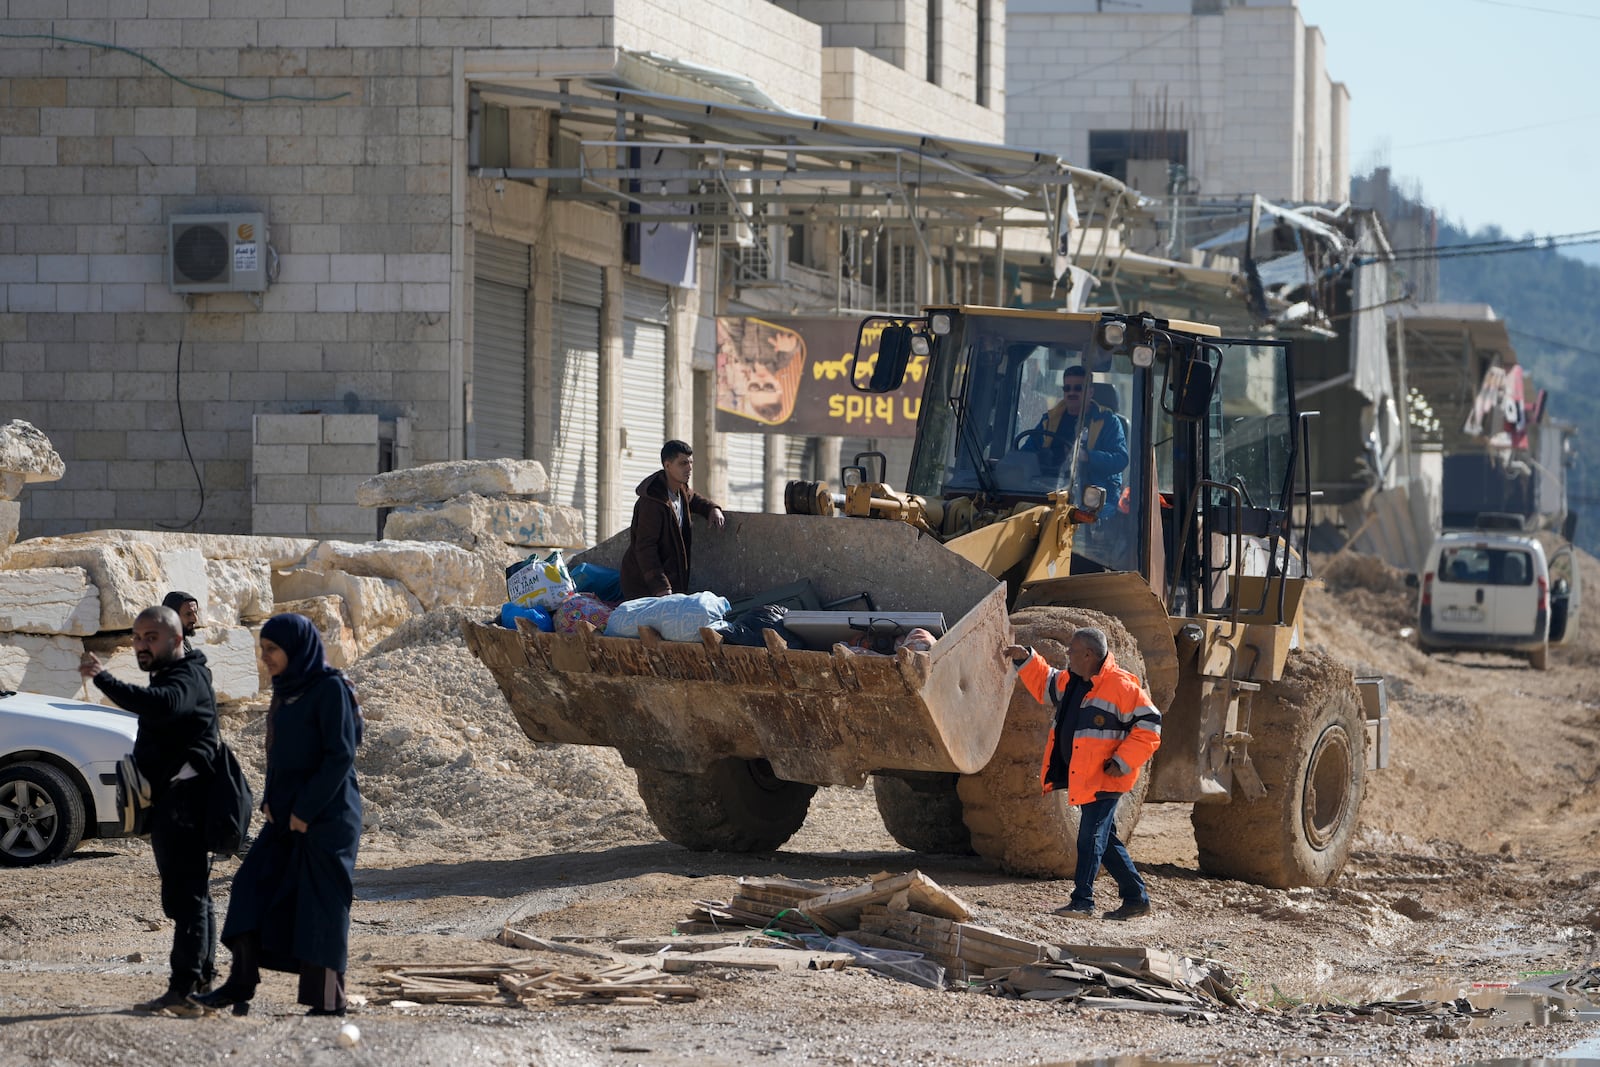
[{"x": 1486, "y": 590}]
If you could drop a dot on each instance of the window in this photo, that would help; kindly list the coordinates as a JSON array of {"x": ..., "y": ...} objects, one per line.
[
  {"x": 983, "y": 58},
  {"x": 934, "y": 15},
  {"x": 1110, "y": 150}
]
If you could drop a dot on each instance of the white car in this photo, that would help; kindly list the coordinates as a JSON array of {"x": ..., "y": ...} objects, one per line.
[
  {"x": 58, "y": 774},
  {"x": 1492, "y": 590}
]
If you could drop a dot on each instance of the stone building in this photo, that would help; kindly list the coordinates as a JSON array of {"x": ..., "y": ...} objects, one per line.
[
  {"x": 253, "y": 253},
  {"x": 1234, "y": 93}
]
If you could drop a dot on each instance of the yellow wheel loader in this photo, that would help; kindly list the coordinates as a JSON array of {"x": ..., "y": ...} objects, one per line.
[{"x": 1156, "y": 500}]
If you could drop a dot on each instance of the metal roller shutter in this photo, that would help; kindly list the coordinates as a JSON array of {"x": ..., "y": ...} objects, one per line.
[
  {"x": 575, "y": 466},
  {"x": 746, "y": 454},
  {"x": 499, "y": 348},
  {"x": 644, "y": 381}
]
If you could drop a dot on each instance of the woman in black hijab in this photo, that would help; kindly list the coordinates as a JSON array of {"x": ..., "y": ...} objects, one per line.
[{"x": 290, "y": 908}]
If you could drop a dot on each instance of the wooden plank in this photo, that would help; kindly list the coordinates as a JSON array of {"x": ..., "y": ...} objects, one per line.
[
  {"x": 1145, "y": 1006},
  {"x": 759, "y": 959},
  {"x": 1142, "y": 961},
  {"x": 522, "y": 939},
  {"x": 843, "y": 905}
]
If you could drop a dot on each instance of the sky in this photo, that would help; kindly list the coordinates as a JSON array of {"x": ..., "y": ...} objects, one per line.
[{"x": 1489, "y": 106}]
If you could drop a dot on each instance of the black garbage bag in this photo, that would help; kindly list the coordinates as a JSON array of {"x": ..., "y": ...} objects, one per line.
[{"x": 746, "y": 629}]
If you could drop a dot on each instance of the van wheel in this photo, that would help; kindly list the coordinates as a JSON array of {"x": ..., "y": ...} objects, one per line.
[
  {"x": 1539, "y": 658},
  {"x": 41, "y": 815},
  {"x": 1013, "y": 823},
  {"x": 1309, "y": 737},
  {"x": 736, "y": 805},
  {"x": 923, "y": 813}
]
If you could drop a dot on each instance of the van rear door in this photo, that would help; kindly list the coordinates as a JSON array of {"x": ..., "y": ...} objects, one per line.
[
  {"x": 1516, "y": 591},
  {"x": 1463, "y": 594}
]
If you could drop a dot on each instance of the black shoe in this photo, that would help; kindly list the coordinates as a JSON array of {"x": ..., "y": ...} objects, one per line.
[
  {"x": 171, "y": 1002},
  {"x": 1129, "y": 910},
  {"x": 325, "y": 1011},
  {"x": 225, "y": 996},
  {"x": 1079, "y": 910}
]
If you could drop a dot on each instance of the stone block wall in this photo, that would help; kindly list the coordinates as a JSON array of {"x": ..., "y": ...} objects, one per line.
[
  {"x": 1236, "y": 82},
  {"x": 304, "y": 470}
]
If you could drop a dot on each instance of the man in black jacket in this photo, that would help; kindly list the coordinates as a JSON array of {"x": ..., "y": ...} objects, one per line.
[
  {"x": 661, "y": 537},
  {"x": 175, "y": 749}
]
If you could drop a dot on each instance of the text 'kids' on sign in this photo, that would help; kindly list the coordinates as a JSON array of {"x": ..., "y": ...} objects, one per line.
[{"x": 792, "y": 376}]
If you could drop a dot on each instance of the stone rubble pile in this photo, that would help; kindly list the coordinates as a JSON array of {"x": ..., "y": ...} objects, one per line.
[{"x": 456, "y": 527}]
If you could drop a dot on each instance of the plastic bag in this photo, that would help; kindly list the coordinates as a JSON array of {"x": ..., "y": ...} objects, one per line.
[
  {"x": 603, "y": 582},
  {"x": 536, "y": 582},
  {"x": 510, "y": 610},
  {"x": 746, "y": 629},
  {"x": 581, "y": 607},
  {"x": 677, "y": 616}
]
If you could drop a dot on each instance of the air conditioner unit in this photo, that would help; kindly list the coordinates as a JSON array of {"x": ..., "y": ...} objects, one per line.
[{"x": 217, "y": 253}]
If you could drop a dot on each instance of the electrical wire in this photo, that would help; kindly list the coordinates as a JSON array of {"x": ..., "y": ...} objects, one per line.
[
  {"x": 1566, "y": 345},
  {"x": 229, "y": 94},
  {"x": 177, "y": 395},
  {"x": 1540, "y": 10}
]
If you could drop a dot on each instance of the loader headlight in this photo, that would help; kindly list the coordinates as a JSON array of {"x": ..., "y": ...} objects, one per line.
[
  {"x": 919, "y": 345},
  {"x": 1112, "y": 334},
  {"x": 1143, "y": 355},
  {"x": 939, "y": 323},
  {"x": 1094, "y": 497}
]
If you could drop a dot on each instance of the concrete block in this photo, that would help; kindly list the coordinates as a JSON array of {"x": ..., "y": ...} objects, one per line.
[
  {"x": 327, "y": 614},
  {"x": 232, "y": 657},
  {"x": 280, "y": 459},
  {"x": 237, "y": 590},
  {"x": 436, "y": 574},
  {"x": 349, "y": 429},
  {"x": 470, "y": 521},
  {"x": 375, "y": 605},
  {"x": 26, "y": 451},
  {"x": 343, "y": 459},
  {"x": 285, "y": 520},
  {"x": 128, "y": 576},
  {"x": 49, "y": 600},
  {"x": 438, "y": 482},
  {"x": 10, "y": 517},
  {"x": 43, "y": 664}
]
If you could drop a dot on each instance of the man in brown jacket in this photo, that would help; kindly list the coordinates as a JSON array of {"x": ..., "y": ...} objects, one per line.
[{"x": 657, "y": 560}]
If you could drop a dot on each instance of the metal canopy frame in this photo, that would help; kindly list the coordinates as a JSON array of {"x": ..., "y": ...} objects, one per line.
[{"x": 733, "y": 164}]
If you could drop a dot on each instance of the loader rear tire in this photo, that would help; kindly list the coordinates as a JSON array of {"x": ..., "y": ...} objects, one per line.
[
  {"x": 924, "y": 813},
  {"x": 737, "y": 805},
  {"x": 1013, "y": 823},
  {"x": 1308, "y": 738}
]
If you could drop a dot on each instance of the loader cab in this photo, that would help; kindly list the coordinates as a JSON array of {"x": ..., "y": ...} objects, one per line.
[{"x": 1192, "y": 438}]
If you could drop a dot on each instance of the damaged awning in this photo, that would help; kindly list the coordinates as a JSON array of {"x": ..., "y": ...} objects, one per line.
[{"x": 662, "y": 157}]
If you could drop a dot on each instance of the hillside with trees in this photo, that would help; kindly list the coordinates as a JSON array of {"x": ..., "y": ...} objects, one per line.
[{"x": 1551, "y": 304}]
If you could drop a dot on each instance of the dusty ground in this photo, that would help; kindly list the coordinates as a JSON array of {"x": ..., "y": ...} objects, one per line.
[{"x": 1477, "y": 864}]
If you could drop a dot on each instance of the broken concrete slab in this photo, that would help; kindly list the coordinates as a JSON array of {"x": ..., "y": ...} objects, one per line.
[
  {"x": 25, "y": 450},
  {"x": 10, "y": 519},
  {"x": 470, "y": 520},
  {"x": 434, "y": 482},
  {"x": 433, "y": 572},
  {"x": 49, "y": 600},
  {"x": 236, "y": 671},
  {"x": 240, "y": 591},
  {"x": 327, "y": 614},
  {"x": 129, "y": 576},
  {"x": 277, "y": 551},
  {"x": 39, "y": 663},
  {"x": 375, "y": 606}
]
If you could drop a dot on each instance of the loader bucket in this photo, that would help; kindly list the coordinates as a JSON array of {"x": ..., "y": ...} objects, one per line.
[{"x": 819, "y": 717}]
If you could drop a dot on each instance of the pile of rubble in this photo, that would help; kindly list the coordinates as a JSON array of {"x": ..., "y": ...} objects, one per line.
[{"x": 453, "y": 529}]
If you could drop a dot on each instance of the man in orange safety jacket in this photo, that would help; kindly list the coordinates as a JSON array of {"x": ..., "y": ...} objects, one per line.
[{"x": 1105, "y": 729}]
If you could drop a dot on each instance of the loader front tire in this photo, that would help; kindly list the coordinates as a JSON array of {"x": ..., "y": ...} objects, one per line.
[
  {"x": 1013, "y": 823},
  {"x": 1308, "y": 739},
  {"x": 736, "y": 805},
  {"x": 923, "y": 813}
]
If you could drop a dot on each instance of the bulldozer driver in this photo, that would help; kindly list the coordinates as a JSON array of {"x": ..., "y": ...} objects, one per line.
[{"x": 1097, "y": 430}]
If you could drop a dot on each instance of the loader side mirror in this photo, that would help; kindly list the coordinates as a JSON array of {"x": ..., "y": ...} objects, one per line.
[
  {"x": 1191, "y": 389},
  {"x": 894, "y": 354}
]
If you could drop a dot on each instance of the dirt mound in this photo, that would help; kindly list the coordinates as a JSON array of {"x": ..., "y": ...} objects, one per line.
[
  {"x": 1373, "y": 591},
  {"x": 445, "y": 767}
]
